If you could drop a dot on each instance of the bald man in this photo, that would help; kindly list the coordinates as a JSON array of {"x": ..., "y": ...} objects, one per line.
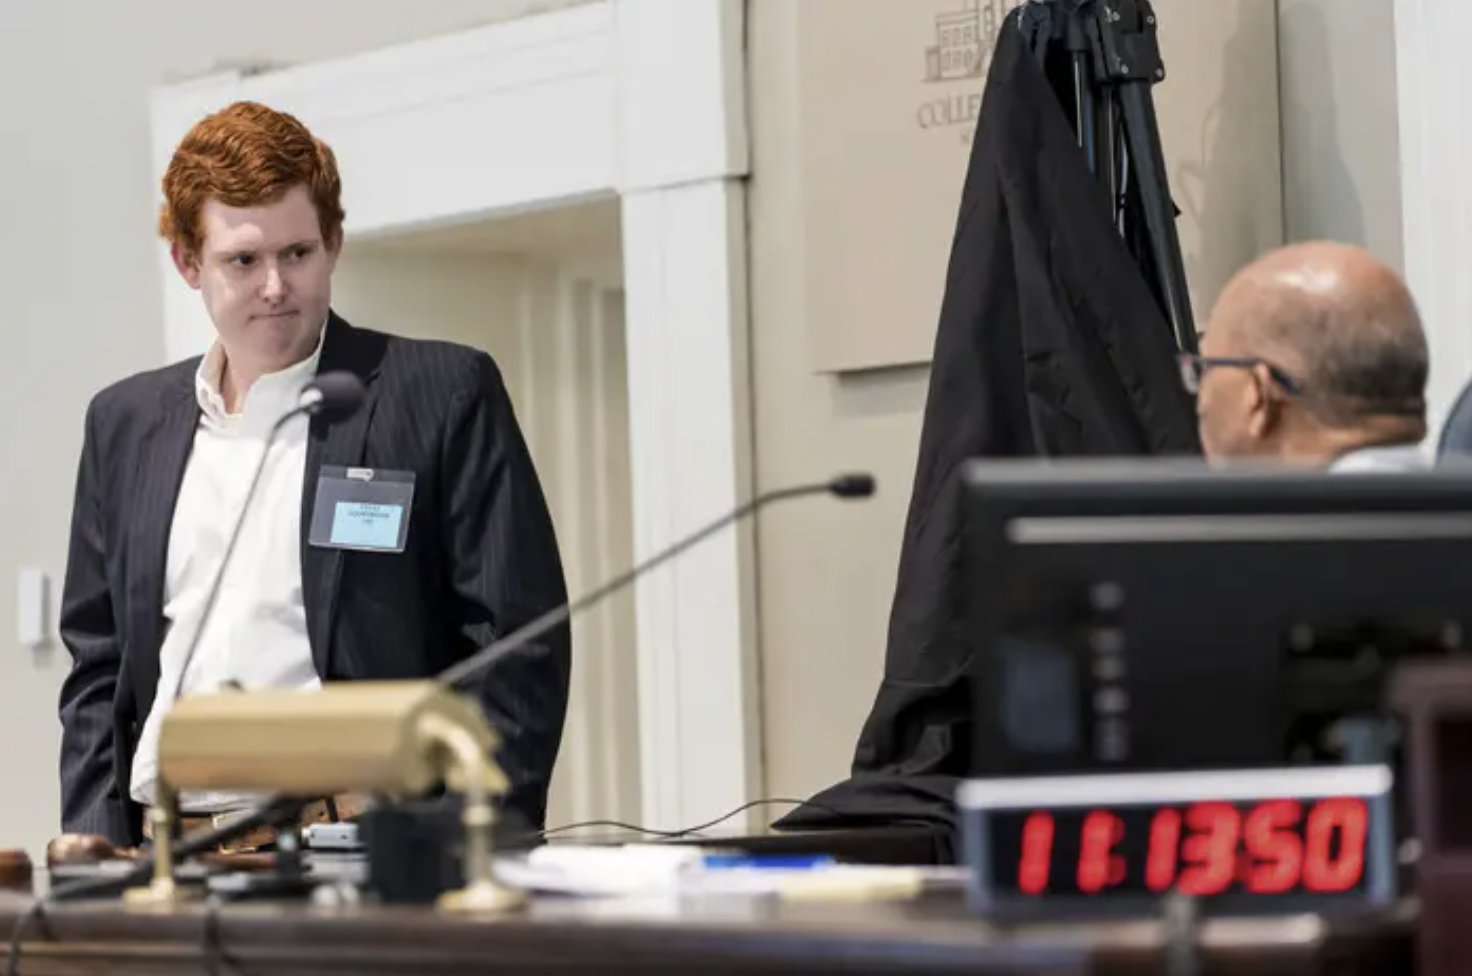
[{"x": 1314, "y": 355}]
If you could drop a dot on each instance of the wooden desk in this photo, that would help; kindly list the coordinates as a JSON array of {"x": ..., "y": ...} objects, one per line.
[{"x": 722, "y": 937}]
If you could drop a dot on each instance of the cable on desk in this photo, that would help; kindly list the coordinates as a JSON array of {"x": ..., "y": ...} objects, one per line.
[
  {"x": 674, "y": 834},
  {"x": 273, "y": 813}
]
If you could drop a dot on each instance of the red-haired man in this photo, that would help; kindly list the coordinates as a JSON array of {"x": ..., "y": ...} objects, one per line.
[{"x": 450, "y": 546}]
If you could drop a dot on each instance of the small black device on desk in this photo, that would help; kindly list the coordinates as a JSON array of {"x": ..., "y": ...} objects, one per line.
[{"x": 1220, "y": 642}]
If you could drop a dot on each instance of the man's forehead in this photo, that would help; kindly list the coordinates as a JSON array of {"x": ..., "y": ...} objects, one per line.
[
  {"x": 1238, "y": 314},
  {"x": 1222, "y": 333},
  {"x": 288, "y": 220}
]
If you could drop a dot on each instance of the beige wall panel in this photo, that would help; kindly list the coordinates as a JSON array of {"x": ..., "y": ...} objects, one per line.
[{"x": 887, "y": 93}]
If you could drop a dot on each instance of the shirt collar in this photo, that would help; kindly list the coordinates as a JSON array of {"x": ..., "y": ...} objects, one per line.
[
  {"x": 269, "y": 397},
  {"x": 1385, "y": 457}
]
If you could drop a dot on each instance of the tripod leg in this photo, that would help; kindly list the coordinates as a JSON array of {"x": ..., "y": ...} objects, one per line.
[
  {"x": 1089, "y": 107},
  {"x": 1147, "y": 160},
  {"x": 1083, "y": 122},
  {"x": 1127, "y": 60},
  {"x": 1114, "y": 154}
]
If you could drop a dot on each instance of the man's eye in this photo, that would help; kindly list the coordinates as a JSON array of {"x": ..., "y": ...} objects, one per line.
[{"x": 243, "y": 260}]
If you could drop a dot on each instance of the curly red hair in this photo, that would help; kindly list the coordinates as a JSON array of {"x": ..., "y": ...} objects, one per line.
[{"x": 246, "y": 155}]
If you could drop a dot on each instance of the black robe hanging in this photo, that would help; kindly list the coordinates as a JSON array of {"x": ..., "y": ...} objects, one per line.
[{"x": 1050, "y": 343}]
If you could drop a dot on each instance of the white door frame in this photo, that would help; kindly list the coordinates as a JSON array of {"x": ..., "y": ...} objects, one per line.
[{"x": 639, "y": 98}]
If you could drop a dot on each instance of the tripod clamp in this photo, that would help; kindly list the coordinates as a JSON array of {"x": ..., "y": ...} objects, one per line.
[
  {"x": 1105, "y": 58},
  {"x": 1120, "y": 35},
  {"x": 1127, "y": 47}
]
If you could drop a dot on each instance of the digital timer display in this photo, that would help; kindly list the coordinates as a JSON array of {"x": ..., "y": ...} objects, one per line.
[
  {"x": 1268, "y": 847},
  {"x": 1281, "y": 837}
]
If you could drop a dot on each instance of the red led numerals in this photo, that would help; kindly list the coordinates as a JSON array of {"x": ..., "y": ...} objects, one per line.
[
  {"x": 1271, "y": 848},
  {"x": 1213, "y": 831},
  {"x": 1325, "y": 868},
  {"x": 1098, "y": 866},
  {"x": 1036, "y": 863},
  {"x": 1274, "y": 848},
  {"x": 1164, "y": 850}
]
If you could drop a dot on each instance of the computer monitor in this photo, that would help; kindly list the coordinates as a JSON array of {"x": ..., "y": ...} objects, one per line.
[{"x": 1162, "y": 615}]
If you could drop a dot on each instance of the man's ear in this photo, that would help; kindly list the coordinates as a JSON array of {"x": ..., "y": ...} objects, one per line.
[
  {"x": 1262, "y": 408},
  {"x": 188, "y": 264}
]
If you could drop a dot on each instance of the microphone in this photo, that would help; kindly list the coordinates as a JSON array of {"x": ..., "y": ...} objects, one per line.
[
  {"x": 331, "y": 396},
  {"x": 845, "y": 486},
  {"x": 852, "y": 485}
]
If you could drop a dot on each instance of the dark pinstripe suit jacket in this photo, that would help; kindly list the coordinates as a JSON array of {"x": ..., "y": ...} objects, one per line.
[{"x": 481, "y": 559}]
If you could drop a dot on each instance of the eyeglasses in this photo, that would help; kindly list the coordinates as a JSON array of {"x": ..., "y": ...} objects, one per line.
[{"x": 1194, "y": 367}]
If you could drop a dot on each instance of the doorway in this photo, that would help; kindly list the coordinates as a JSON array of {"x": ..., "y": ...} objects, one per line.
[{"x": 542, "y": 293}]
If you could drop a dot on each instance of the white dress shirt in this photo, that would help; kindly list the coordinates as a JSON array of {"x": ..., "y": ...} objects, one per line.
[
  {"x": 257, "y": 634},
  {"x": 1385, "y": 459}
]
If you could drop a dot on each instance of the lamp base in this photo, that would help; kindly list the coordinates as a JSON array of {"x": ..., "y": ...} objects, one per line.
[{"x": 481, "y": 898}]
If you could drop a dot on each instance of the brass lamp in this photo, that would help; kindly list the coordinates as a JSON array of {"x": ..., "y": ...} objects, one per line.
[{"x": 394, "y": 739}]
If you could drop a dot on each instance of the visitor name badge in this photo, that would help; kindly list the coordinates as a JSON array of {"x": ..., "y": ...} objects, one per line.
[{"x": 365, "y": 509}]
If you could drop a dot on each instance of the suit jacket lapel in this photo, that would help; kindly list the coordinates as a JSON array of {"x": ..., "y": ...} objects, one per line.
[
  {"x": 342, "y": 443},
  {"x": 163, "y": 456}
]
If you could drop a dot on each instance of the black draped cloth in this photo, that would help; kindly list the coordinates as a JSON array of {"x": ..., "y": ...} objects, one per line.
[{"x": 1050, "y": 343}]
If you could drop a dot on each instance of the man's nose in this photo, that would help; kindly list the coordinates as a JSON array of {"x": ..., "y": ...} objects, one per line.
[{"x": 273, "y": 288}]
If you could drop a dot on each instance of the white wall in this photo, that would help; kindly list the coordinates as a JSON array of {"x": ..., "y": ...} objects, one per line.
[
  {"x": 1341, "y": 164},
  {"x": 1434, "y": 78},
  {"x": 1377, "y": 151},
  {"x": 79, "y": 290},
  {"x": 558, "y": 339}
]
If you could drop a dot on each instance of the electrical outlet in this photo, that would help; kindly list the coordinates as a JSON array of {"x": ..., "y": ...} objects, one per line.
[{"x": 33, "y": 609}]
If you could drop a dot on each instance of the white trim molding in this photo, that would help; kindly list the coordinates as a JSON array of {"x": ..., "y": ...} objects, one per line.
[
  {"x": 1434, "y": 77},
  {"x": 684, "y": 155},
  {"x": 640, "y": 99},
  {"x": 684, "y": 256}
]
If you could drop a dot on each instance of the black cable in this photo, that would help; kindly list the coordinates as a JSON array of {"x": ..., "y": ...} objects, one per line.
[
  {"x": 270, "y": 814},
  {"x": 689, "y": 831},
  {"x": 675, "y": 834}
]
